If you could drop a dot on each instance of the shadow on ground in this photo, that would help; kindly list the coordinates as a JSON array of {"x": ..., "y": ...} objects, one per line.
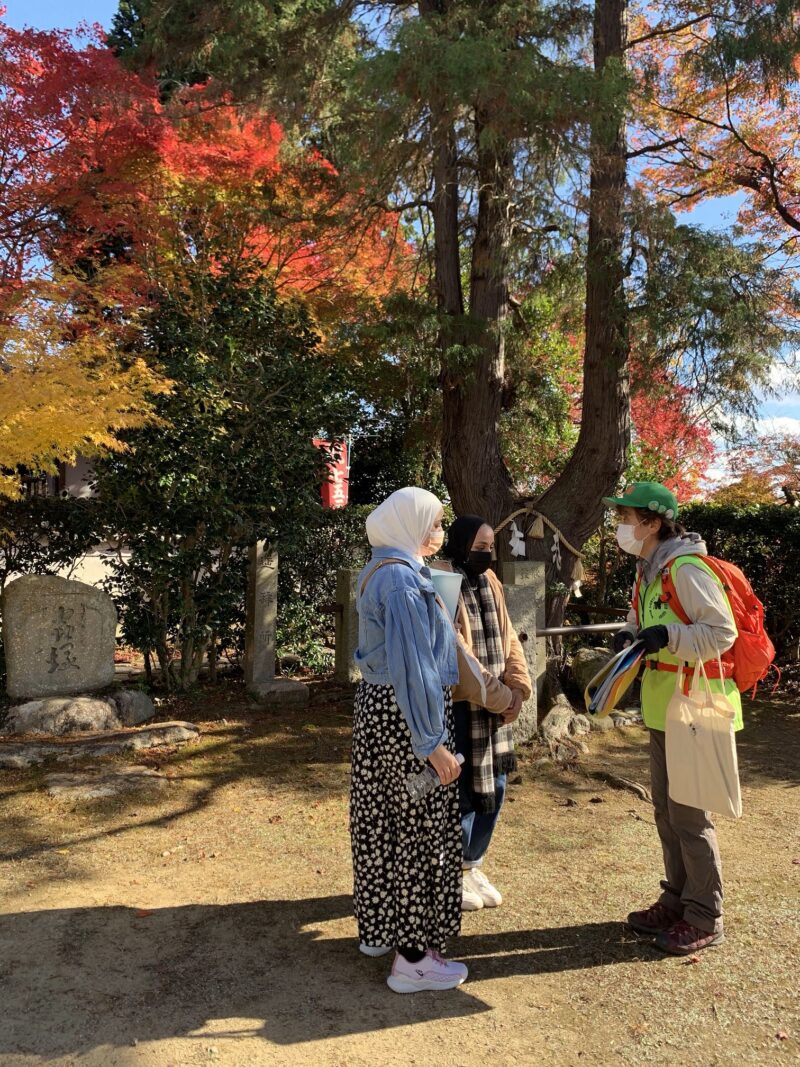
[
  {"x": 769, "y": 745},
  {"x": 117, "y": 976}
]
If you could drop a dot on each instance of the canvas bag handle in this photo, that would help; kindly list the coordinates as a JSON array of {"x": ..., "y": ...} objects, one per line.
[{"x": 700, "y": 670}]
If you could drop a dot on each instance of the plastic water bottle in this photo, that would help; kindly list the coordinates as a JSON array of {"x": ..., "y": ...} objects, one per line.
[{"x": 419, "y": 785}]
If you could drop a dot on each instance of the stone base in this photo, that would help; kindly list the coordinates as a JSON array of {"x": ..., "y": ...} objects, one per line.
[
  {"x": 16, "y": 755},
  {"x": 282, "y": 692}
]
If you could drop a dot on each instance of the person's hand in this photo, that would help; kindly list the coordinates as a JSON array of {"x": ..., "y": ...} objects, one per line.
[
  {"x": 654, "y": 638},
  {"x": 445, "y": 764},
  {"x": 511, "y": 714},
  {"x": 621, "y": 640}
]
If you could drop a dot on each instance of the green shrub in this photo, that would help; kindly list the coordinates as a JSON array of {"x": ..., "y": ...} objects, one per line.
[{"x": 308, "y": 561}]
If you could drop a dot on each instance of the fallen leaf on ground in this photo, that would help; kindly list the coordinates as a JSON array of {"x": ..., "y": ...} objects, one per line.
[
  {"x": 143, "y": 913},
  {"x": 692, "y": 959}
]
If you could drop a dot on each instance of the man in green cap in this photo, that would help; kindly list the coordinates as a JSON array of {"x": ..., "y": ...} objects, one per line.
[{"x": 687, "y": 916}]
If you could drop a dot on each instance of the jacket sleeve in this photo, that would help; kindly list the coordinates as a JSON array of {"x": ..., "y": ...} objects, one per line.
[
  {"x": 712, "y": 630},
  {"x": 413, "y": 671},
  {"x": 516, "y": 674},
  {"x": 488, "y": 692}
]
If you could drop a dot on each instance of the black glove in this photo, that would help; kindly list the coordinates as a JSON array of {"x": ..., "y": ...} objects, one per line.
[
  {"x": 654, "y": 638},
  {"x": 622, "y": 640}
]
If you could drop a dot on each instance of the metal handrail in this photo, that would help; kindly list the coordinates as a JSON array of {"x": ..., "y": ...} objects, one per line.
[{"x": 593, "y": 628}]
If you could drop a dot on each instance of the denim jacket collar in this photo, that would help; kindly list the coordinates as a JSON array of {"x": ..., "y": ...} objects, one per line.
[{"x": 399, "y": 553}]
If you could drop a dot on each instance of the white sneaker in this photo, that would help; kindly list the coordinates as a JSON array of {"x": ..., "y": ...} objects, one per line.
[
  {"x": 432, "y": 972},
  {"x": 471, "y": 899},
  {"x": 373, "y": 950},
  {"x": 478, "y": 885}
]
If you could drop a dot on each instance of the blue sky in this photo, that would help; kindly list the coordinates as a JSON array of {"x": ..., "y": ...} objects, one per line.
[
  {"x": 781, "y": 413},
  {"x": 63, "y": 15}
]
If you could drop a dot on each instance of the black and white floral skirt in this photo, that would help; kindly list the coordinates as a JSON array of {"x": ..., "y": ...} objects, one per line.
[{"x": 406, "y": 854}]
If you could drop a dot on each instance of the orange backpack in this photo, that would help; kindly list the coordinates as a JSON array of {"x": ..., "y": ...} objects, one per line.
[{"x": 752, "y": 653}]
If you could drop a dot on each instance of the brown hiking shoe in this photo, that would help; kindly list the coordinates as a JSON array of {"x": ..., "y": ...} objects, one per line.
[
  {"x": 683, "y": 939},
  {"x": 653, "y": 920}
]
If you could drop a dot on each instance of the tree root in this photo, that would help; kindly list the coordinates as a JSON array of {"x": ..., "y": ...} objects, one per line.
[{"x": 623, "y": 783}]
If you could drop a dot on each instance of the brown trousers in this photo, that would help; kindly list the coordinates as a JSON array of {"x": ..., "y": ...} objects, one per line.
[{"x": 692, "y": 866}]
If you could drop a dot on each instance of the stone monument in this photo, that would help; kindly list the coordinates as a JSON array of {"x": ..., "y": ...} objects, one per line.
[
  {"x": 524, "y": 584},
  {"x": 259, "y": 649},
  {"x": 59, "y": 637},
  {"x": 346, "y": 625}
]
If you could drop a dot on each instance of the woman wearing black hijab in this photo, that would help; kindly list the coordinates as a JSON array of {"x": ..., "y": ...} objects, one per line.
[{"x": 482, "y": 733}]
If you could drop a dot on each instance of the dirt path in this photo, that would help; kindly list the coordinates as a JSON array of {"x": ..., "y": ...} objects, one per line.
[{"x": 214, "y": 925}]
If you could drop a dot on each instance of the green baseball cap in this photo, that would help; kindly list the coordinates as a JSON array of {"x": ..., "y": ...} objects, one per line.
[{"x": 651, "y": 496}]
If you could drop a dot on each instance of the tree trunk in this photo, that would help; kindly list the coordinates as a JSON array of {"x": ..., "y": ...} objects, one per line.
[
  {"x": 472, "y": 387},
  {"x": 472, "y": 347},
  {"x": 573, "y": 502}
]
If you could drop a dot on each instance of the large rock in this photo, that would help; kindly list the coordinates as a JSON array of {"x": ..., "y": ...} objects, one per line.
[
  {"x": 84, "y": 714},
  {"x": 586, "y": 663},
  {"x": 133, "y": 706},
  {"x": 63, "y": 715},
  {"x": 59, "y": 637}
]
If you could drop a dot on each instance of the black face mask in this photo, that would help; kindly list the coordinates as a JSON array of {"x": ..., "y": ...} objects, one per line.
[{"x": 478, "y": 563}]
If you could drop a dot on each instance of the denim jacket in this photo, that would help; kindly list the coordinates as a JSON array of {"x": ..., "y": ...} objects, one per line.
[{"x": 405, "y": 640}]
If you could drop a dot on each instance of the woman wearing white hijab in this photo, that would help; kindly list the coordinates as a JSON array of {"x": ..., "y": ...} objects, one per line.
[{"x": 406, "y": 853}]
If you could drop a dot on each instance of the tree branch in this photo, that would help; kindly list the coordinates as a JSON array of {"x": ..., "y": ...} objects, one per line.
[
  {"x": 666, "y": 31},
  {"x": 654, "y": 147}
]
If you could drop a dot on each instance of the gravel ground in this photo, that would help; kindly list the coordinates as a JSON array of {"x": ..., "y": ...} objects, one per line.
[{"x": 211, "y": 923}]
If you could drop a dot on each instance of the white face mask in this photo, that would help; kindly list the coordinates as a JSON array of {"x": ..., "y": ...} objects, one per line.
[
  {"x": 434, "y": 543},
  {"x": 627, "y": 539}
]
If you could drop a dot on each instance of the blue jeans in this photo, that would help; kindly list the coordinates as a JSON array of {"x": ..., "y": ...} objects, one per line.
[{"x": 477, "y": 827}]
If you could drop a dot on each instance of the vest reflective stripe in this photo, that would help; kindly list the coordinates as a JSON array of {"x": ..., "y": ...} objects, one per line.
[{"x": 659, "y": 685}]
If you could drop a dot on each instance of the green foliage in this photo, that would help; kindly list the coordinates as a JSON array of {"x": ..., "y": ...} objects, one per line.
[
  {"x": 709, "y": 308},
  {"x": 309, "y": 559},
  {"x": 44, "y": 535},
  {"x": 230, "y": 463}
]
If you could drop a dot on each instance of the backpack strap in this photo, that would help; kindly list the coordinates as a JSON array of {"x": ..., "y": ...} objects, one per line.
[
  {"x": 377, "y": 567},
  {"x": 669, "y": 594}
]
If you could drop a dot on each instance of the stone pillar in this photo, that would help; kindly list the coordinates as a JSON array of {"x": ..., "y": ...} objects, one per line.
[
  {"x": 259, "y": 647},
  {"x": 524, "y": 585},
  {"x": 346, "y": 625}
]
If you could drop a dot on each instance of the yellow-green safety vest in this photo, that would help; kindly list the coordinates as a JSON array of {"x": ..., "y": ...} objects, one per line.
[{"x": 659, "y": 685}]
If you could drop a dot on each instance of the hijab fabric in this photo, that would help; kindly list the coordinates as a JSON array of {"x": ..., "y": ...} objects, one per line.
[
  {"x": 460, "y": 537},
  {"x": 404, "y": 520}
]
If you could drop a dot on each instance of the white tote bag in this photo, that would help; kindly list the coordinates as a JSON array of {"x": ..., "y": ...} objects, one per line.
[{"x": 702, "y": 767}]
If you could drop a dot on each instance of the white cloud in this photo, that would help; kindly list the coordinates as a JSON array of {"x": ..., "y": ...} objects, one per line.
[
  {"x": 779, "y": 424},
  {"x": 784, "y": 377}
]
